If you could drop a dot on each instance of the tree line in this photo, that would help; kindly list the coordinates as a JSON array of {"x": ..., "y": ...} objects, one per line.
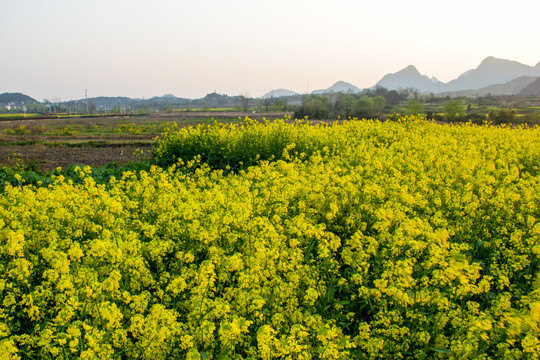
[{"x": 383, "y": 104}]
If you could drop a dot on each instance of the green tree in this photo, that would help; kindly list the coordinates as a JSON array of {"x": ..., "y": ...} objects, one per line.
[
  {"x": 245, "y": 102},
  {"x": 363, "y": 107},
  {"x": 501, "y": 116},
  {"x": 280, "y": 105},
  {"x": 343, "y": 105},
  {"x": 414, "y": 107},
  {"x": 314, "y": 107},
  {"x": 453, "y": 108},
  {"x": 379, "y": 103},
  {"x": 36, "y": 108},
  {"x": 92, "y": 107}
]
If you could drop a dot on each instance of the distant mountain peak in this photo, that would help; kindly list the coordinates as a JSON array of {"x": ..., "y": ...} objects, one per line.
[
  {"x": 344, "y": 85},
  {"x": 340, "y": 86},
  {"x": 409, "y": 77},
  {"x": 278, "y": 93},
  {"x": 489, "y": 59},
  {"x": 15, "y": 98},
  {"x": 341, "y": 83},
  {"x": 411, "y": 68}
]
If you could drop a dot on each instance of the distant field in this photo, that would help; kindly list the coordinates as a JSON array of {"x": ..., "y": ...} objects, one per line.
[
  {"x": 17, "y": 116},
  {"x": 95, "y": 141}
]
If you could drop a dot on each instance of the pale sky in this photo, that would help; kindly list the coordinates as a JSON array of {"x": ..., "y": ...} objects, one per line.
[{"x": 59, "y": 48}]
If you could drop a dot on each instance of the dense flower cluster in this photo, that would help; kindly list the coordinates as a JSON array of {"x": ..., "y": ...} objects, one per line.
[{"x": 388, "y": 240}]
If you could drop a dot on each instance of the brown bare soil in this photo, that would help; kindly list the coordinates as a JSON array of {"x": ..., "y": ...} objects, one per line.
[{"x": 50, "y": 158}]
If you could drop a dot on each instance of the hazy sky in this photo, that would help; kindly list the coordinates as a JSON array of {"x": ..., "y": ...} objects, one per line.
[{"x": 58, "y": 48}]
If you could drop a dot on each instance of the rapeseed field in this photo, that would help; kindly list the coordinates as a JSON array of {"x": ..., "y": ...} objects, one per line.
[{"x": 285, "y": 240}]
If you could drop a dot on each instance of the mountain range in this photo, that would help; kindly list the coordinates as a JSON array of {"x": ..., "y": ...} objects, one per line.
[
  {"x": 493, "y": 76},
  {"x": 491, "y": 71},
  {"x": 512, "y": 87}
]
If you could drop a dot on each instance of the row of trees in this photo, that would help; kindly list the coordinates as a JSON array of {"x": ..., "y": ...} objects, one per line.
[
  {"x": 341, "y": 106},
  {"x": 348, "y": 106},
  {"x": 373, "y": 103}
]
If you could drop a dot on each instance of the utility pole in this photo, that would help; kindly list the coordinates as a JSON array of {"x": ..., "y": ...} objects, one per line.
[{"x": 86, "y": 100}]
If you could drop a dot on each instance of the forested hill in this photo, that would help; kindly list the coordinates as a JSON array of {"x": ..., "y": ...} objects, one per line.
[{"x": 15, "y": 98}]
